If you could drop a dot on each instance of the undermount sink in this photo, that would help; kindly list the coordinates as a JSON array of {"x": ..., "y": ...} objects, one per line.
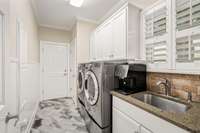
[{"x": 161, "y": 102}]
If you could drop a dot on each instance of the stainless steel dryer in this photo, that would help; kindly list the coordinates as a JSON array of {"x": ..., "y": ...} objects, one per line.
[
  {"x": 80, "y": 89},
  {"x": 99, "y": 81},
  {"x": 81, "y": 80}
]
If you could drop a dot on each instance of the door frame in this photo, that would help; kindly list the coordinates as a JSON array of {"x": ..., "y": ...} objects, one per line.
[
  {"x": 42, "y": 43},
  {"x": 74, "y": 92},
  {"x": 4, "y": 60}
]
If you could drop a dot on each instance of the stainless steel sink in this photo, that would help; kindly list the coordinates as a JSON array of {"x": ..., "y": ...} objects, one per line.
[{"x": 161, "y": 102}]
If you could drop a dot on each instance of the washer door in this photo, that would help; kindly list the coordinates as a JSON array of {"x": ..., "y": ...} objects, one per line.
[
  {"x": 91, "y": 88},
  {"x": 80, "y": 81}
]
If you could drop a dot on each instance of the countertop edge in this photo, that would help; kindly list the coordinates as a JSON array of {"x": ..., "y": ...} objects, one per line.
[{"x": 125, "y": 98}]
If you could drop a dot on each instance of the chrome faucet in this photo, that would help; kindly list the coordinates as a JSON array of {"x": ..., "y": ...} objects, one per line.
[{"x": 167, "y": 85}]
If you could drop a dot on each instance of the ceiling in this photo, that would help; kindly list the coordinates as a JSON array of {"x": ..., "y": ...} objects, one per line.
[{"x": 60, "y": 14}]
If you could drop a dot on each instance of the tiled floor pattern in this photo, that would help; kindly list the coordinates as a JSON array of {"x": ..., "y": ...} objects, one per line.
[{"x": 58, "y": 116}]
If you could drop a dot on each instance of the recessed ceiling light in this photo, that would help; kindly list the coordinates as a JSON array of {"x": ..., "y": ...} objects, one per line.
[{"x": 76, "y": 3}]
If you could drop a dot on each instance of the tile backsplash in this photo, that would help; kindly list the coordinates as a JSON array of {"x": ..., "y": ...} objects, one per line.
[{"x": 181, "y": 84}]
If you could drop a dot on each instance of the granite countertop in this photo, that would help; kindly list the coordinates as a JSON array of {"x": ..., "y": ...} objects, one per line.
[{"x": 190, "y": 120}]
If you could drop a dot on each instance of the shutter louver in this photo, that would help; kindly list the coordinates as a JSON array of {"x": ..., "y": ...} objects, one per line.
[
  {"x": 182, "y": 14},
  {"x": 156, "y": 23},
  {"x": 182, "y": 49},
  {"x": 195, "y": 47},
  {"x": 195, "y": 13},
  {"x": 159, "y": 25},
  {"x": 156, "y": 52}
]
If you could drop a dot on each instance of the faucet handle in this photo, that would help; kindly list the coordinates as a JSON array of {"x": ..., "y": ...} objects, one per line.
[
  {"x": 10, "y": 117},
  {"x": 189, "y": 98}
]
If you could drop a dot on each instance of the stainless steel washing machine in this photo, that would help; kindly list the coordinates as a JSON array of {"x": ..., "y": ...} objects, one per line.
[
  {"x": 99, "y": 81},
  {"x": 80, "y": 89}
]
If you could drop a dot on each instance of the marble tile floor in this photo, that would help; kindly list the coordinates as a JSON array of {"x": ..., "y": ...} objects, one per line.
[{"x": 58, "y": 116}]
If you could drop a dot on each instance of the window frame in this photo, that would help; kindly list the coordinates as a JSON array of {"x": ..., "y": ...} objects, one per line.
[{"x": 156, "y": 39}]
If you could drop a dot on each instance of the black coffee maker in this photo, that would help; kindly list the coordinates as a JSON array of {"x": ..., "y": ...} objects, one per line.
[{"x": 130, "y": 78}]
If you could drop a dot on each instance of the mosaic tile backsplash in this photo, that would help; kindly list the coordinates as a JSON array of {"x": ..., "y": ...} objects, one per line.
[{"x": 181, "y": 84}]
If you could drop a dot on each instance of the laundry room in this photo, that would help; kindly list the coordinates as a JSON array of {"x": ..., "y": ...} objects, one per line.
[{"x": 99, "y": 66}]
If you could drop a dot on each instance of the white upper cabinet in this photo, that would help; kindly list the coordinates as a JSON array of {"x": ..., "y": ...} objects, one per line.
[
  {"x": 98, "y": 44},
  {"x": 118, "y": 37},
  {"x": 186, "y": 15},
  {"x": 107, "y": 40},
  {"x": 156, "y": 35}
]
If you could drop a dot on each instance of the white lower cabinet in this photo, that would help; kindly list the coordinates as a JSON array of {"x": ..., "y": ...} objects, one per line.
[
  {"x": 128, "y": 118},
  {"x": 123, "y": 124}
]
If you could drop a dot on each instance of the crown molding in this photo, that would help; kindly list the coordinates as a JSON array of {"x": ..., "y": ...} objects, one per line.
[
  {"x": 86, "y": 20},
  {"x": 55, "y": 27}
]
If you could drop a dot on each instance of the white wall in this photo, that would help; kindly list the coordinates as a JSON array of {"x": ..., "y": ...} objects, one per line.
[
  {"x": 83, "y": 34},
  {"x": 21, "y": 10},
  {"x": 54, "y": 35}
]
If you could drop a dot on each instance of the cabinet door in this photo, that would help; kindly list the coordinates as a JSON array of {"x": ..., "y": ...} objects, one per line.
[
  {"x": 98, "y": 45},
  {"x": 123, "y": 124},
  {"x": 119, "y": 35},
  {"x": 107, "y": 41},
  {"x": 144, "y": 130}
]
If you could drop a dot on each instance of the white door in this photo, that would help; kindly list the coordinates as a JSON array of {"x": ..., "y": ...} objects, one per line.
[
  {"x": 54, "y": 68},
  {"x": 72, "y": 67},
  {"x": 123, "y": 123},
  {"x": 119, "y": 35}
]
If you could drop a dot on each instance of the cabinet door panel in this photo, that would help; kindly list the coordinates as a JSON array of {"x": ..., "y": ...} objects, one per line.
[
  {"x": 123, "y": 124},
  {"x": 98, "y": 45},
  {"x": 107, "y": 40},
  {"x": 119, "y": 35}
]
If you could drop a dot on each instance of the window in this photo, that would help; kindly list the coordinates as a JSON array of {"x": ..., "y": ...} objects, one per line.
[
  {"x": 1, "y": 58},
  {"x": 156, "y": 23},
  {"x": 188, "y": 49},
  {"x": 156, "y": 52},
  {"x": 187, "y": 14},
  {"x": 187, "y": 40}
]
